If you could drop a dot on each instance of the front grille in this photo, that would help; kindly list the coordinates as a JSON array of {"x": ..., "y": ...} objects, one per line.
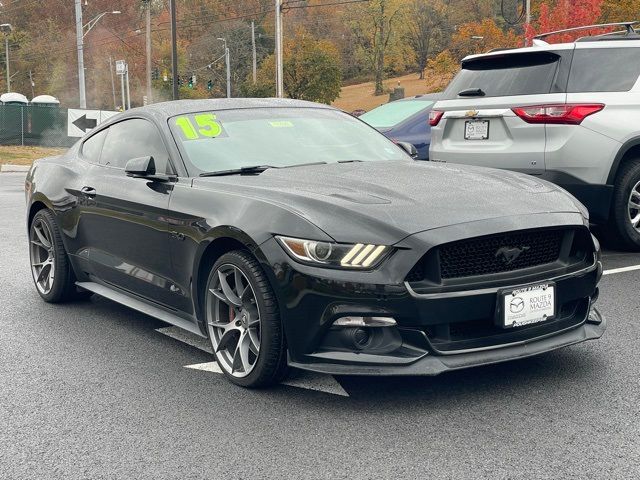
[
  {"x": 484, "y": 333},
  {"x": 499, "y": 253}
]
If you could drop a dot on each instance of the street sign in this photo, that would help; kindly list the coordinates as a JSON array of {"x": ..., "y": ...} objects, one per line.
[
  {"x": 80, "y": 122},
  {"x": 121, "y": 67}
]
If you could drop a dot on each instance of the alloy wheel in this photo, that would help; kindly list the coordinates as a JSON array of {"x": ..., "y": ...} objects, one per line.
[
  {"x": 233, "y": 320},
  {"x": 634, "y": 207},
  {"x": 42, "y": 256}
]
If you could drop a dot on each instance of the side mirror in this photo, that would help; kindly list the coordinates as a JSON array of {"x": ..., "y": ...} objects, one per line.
[
  {"x": 409, "y": 148},
  {"x": 140, "y": 167}
]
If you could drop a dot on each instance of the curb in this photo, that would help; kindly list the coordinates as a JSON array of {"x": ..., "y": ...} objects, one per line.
[{"x": 14, "y": 168}]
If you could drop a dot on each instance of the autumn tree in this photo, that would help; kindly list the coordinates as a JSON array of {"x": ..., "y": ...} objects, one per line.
[
  {"x": 480, "y": 37},
  {"x": 566, "y": 14},
  {"x": 426, "y": 25},
  {"x": 311, "y": 71},
  {"x": 373, "y": 24},
  {"x": 620, "y": 10}
]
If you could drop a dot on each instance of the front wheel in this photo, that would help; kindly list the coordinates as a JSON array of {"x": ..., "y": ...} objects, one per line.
[
  {"x": 243, "y": 322},
  {"x": 626, "y": 205},
  {"x": 50, "y": 268}
]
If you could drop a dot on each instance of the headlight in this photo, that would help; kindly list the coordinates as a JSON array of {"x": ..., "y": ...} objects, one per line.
[{"x": 337, "y": 255}]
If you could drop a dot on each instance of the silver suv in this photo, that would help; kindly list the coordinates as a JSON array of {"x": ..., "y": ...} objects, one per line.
[{"x": 568, "y": 113}]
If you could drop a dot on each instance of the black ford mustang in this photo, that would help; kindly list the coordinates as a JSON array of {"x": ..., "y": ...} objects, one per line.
[{"x": 291, "y": 234}]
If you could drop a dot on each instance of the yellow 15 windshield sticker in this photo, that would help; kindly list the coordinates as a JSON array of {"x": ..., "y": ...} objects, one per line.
[{"x": 205, "y": 126}]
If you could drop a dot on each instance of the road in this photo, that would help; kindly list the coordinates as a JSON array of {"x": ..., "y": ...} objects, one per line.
[{"x": 93, "y": 390}]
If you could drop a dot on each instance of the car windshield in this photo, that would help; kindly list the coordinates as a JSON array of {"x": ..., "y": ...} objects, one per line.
[
  {"x": 277, "y": 137},
  {"x": 391, "y": 114}
]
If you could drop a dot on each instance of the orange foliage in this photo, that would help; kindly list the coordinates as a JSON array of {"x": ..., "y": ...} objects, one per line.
[
  {"x": 480, "y": 37},
  {"x": 566, "y": 14}
]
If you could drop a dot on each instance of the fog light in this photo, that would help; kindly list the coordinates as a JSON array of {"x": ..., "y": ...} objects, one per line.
[
  {"x": 361, "y": 338},
  {"x": 365, "y": 322}
]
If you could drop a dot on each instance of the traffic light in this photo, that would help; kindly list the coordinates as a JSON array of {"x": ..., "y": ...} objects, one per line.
[
  {"x": 190, "y": 83},
  {"x": 209, "y": 85},
  {"x": 179, "y": 81},
  {"x": 155, "y": 74}
]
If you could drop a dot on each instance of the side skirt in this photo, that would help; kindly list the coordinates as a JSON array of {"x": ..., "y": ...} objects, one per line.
[{"x": 141, "y": 306}]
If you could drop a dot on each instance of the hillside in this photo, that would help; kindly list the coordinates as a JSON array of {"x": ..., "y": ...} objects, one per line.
[{"x": 361, "y": 95}]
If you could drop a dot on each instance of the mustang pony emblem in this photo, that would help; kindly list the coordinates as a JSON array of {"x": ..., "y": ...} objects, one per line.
[{"x": 509, "y": 254}]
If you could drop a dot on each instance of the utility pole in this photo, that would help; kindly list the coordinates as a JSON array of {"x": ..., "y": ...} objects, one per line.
[
  {"x": 279, "y": 81},
  {"x": 128, "y": 92},
  {"x": 6, "y": 53},
  {"x": 80, "y": 46},
  {"x": 113, "y": 85},
  {"x": 33, "y": 93},
  {"x": 124, "y": 100},
  {"x": 528, "y": 19},
  {"x": 228, "y": 62},
  {"x": 148, "y": 2},
  {"x": 253, "y": 46},
  {"x": 174, "y": 49}
]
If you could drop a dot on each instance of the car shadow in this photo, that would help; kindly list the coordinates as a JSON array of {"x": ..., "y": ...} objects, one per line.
[{"x": 543, "y": 374}]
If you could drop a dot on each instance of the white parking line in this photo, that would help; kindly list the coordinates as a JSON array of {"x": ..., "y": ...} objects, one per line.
[
  {"x": 300, "y": 379},
  {"x": 621, "y": 270}
]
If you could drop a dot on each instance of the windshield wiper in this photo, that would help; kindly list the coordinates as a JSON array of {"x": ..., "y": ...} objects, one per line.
[
  {"x": 305, "y": 164},
  {"x": 472, "y": 92},
  {"x": 253, "y": 170},
  {"x": 350, "y": 161}
]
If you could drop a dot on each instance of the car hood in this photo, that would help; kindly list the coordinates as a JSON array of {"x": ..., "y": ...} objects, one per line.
[{"x": 387, "y": 201}]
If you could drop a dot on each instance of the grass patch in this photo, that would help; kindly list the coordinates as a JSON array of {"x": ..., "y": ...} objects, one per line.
[
  {"x": 15, "y": 155},
  {"x": 353, "y": 97}
]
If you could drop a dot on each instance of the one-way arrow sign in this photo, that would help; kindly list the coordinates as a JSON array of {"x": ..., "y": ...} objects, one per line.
[
  {"x": 84, "y": 123},
  {"x": 80, "y": 122}
]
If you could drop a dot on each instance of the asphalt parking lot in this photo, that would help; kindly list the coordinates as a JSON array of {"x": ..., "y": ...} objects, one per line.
[{"x": 95, "y": 390}]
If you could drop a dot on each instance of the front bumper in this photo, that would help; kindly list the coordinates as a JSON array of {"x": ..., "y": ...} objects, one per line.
[
  {"x": 435, "y": 332},
  {"x": 430, "y": 365}
]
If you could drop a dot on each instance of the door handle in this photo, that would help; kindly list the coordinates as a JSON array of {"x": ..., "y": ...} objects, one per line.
[{"x": 88, "y": 192}]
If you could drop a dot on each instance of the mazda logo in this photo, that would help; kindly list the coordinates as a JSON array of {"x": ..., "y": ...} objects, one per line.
[
  {"x": 516, "y": 305},
  {"x": 509, "y": 254}
]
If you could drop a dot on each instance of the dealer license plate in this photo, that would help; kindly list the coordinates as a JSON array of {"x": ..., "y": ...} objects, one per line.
[
  {"x": 527, "y": 305},
  {"x": 476, "y": 130}
]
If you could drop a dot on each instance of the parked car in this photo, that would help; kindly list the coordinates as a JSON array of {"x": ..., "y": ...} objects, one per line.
[
  {"x": 292, "y": 234},
  {"x": 568, "y": 113},
  {"x": 405, "y": 120}
]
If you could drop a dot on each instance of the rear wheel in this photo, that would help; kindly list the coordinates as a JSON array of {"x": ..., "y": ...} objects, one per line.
[
  {"x": 626, "y": 205},
  {"x": 50, "y": 266},
  {"x": 243, "y": 322}
]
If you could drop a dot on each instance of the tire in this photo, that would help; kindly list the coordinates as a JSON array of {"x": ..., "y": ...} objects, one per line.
[
  {"x": 45, "y": 240},
  {"x": 628, "y": 181},
  {"x": 242, "y": 316}
]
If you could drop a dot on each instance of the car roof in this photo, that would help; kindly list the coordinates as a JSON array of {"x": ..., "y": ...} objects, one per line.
[
  {"x": 182, "y": 107},
  {"x": 430, "y": 97},
  {"x": 593, "y": 41}
]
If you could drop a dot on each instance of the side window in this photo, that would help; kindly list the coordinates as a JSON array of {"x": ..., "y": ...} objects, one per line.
[
  {"x": 131, "y": 139},
  {"x": 604, "y": 70},
  {"x": 92, "y": 147}
]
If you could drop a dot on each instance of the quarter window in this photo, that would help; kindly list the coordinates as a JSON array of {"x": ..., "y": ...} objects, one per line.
[
  {"x": 604, "y": 70},
  {"x": 92, "y": 147},
  {"x": 131, "y": 139}
]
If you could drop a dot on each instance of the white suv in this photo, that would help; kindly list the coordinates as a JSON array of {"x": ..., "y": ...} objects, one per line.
[{"x": 568, "y": 113}]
